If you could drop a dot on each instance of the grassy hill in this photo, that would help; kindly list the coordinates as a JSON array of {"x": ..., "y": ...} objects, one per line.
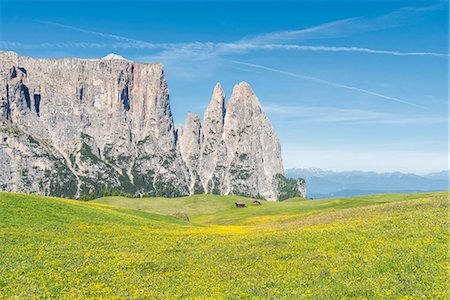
[
  {"x": 221, "y": 210},
  {"x": 192, "y": 205},
  {"x": 383, "y": 246}
]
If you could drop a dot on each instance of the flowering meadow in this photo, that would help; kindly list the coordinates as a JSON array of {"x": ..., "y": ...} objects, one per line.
[{"x": 371, "y": 247}]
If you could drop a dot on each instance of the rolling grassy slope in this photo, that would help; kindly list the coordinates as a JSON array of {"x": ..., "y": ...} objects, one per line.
[
  {"x": 385, "y": 246},
  {"x": 220, "y": 210},
  {"x": 192, "y": 205}
]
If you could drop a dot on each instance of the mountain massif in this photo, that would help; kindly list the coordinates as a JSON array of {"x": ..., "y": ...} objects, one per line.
[
  {"x": 71, "y": 127},
  {"x": 330, "y": 184}
]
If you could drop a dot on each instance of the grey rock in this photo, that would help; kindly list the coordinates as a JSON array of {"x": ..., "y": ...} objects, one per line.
[
  {"x": 109, "y": 119},
  {"x": 213, "y": 163},
  {"x": 190, "y": 142},
  {"x": 32, "y": 166},
  {"x": 240, "y": 153},
  {"x": 253, "y": 148},
  {"x": 78, "y": 126}
]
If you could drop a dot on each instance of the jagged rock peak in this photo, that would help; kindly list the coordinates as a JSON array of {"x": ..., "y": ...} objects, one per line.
[
  {"x": 216, "y": 108},
  {"x": 190, "y": 140},
  {"x": 243, "y": 93},
  {"x": 243, "y": 104},
  {"x": 218, "y": 94},
  {"x": 244, "y": 88},
  {"x": 254, "y": 153}
]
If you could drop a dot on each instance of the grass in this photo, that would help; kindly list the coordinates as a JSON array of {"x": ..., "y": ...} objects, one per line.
[
  {"x": 372, "y": 247},
  {"x": 192, "y": 205},
  {"x": 221, "y": 210}
]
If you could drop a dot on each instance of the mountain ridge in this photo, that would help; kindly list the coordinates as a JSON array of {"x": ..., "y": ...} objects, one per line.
[
  {"x": 75, "y": 126},
  {"x": 326, "y": 183}
]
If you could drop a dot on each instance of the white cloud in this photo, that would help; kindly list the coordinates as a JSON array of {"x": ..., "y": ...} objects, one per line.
[{"x": 316, "y": 114}]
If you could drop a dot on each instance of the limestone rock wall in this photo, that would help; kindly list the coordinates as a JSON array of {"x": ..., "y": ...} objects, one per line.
[
  {"x": 110, "y": 121},
  {"x": 236, "y": 149},
  {"x": 75, "y": 126}
]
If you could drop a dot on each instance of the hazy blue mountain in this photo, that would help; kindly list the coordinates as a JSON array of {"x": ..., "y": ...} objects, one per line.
[
  {"x": 443, "y": 175},
  {"x": 325, "y": 183}
]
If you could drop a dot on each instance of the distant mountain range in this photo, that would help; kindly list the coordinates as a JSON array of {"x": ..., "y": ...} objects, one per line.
[{"x": 330, "y": 184}]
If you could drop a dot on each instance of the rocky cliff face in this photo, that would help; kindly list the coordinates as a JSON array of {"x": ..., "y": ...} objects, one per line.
[
  {"x": 71, "y": 127},
  {"x": 213, "y": 163}
]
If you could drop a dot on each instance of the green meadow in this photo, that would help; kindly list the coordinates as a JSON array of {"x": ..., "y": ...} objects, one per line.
[{"x": 371, "y": 247}]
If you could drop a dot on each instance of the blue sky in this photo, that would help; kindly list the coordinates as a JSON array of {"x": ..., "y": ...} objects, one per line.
[{"x": 354, "y": 85}]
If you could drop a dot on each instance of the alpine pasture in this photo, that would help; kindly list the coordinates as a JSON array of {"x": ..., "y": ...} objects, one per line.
[{"x": 371, "y": 247}]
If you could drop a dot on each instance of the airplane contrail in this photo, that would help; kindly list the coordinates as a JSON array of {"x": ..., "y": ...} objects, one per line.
[{"x": 329, "y": 83}]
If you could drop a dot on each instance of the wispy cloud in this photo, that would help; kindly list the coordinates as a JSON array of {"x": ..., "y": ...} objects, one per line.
[
  {"x": 400, "y": 17},
  {"x": 61, "y": 45},
  {"x": 209, "y": 49},
  {"x": 329, "y": 83},
  {"x": 105, "y": 35},
  {"x": 247, "y": 70},
  {"x": 323, "y": 30},
  {"x": 344, "y": 27},
  {"x": 272, "y": 41},
  {"x": 350, "y": 49},
  {"x": 321, "y": 114}
]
